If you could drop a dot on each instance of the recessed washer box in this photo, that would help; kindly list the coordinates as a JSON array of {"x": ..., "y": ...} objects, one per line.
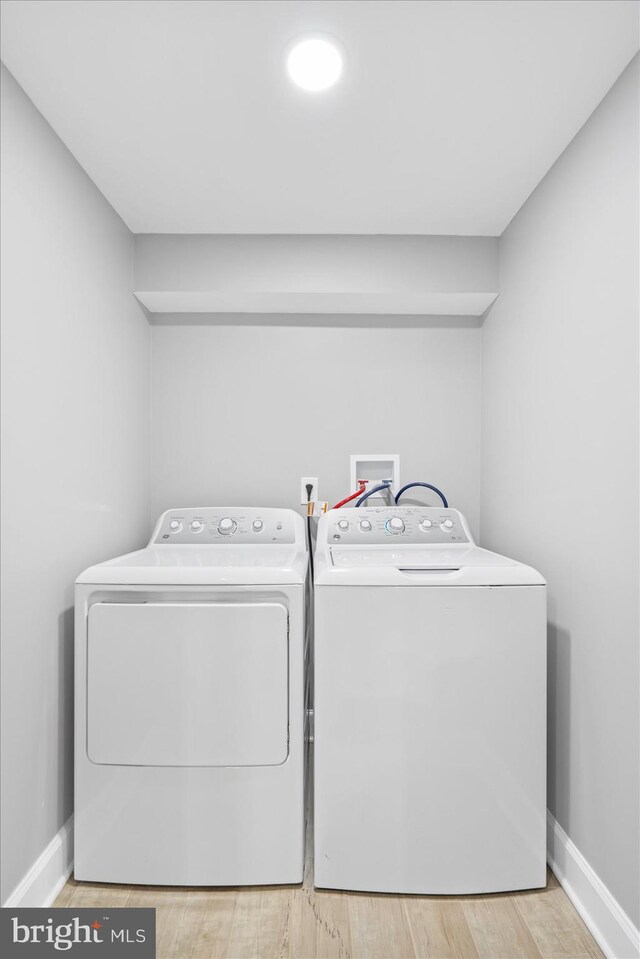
[{"x": 375, "y": 468}]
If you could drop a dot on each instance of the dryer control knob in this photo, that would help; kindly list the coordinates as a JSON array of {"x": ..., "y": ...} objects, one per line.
[
  {"x": 447, "y": 524},
  {"x": 196, "y": 525},
  {"x": 257, "y": 526},
  {"x": 426, "y": 525},
  {"x": 395, "y": 525},
  {"x": 175, "y": 525},
  {"x": 227, "y": 526},
  {"x": 365, "y": 525},
  {"x": 343, "y": 524}
]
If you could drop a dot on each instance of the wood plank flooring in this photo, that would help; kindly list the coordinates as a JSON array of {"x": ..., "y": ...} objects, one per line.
[{"x": 300, "y": 922}]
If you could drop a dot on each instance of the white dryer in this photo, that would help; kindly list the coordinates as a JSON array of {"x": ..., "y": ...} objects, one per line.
[
  {"x": 430, "y": 707},
  {"x": 190, "y": 712}
]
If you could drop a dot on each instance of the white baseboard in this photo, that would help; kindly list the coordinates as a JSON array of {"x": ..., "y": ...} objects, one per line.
[
  {"x": 606, "y": 920},
  {"x": 47, "y": 876}
]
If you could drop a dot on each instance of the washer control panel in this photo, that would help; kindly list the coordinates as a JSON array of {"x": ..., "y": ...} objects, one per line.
[
  {"x": 377, "y": 525},
  {"x": 220, "y": 525}
]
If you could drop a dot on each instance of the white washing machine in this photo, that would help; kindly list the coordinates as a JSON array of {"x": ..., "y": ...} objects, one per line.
[
  {"x": 430, "y": 707},
  {"x": 190, "y": 712}
]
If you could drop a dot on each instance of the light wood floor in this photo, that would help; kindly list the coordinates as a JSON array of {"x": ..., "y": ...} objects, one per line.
[{"x": 299, "y": 922}]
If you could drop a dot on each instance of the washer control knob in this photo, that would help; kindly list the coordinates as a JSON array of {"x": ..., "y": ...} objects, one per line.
[
  {"x": 426, "y": 525},
  {"x": 257, "y": 526},
  {"x": 196, "y": 525},
  {"x": 343, "y": 524},
  {"x": 395, "y": 525},
  {"x": 227, "y": 526},
  {"x": 175, "y": 525},
  {"x": 447, "y": 524},
  {"x": 365, "y": 525}
]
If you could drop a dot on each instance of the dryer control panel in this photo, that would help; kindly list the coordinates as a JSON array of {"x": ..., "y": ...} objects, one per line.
[
  {"x": 381, "y": 525},
  {"x": 225, "y": 524}
]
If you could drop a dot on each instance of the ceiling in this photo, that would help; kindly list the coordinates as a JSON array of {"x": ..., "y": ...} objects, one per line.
[{"x": 448, "y": 115}]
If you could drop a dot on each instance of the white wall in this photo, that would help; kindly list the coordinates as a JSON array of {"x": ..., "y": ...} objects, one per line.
[
  {"x": 240, "y": 413},
  {"x": 318, "y": 262},
  {"x": 560, "y": 467},
  {"x": 75, "y": 465},
  {"x": 316, "y": 274}
]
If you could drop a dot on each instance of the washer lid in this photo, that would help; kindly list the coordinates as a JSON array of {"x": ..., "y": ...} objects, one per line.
[
  {"x": 416, "y": 557},
  {"x": 409, "y": 546},
  {"x": 403, "y": 569}
]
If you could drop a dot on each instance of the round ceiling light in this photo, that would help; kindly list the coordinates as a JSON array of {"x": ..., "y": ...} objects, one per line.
[{"x": 314, "y": 63}]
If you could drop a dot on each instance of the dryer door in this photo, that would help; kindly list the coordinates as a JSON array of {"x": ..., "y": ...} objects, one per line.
[{"x": 187, "y": 684}]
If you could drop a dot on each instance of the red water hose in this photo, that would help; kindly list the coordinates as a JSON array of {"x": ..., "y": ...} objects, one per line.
[{"x": 347, "y": 499}]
